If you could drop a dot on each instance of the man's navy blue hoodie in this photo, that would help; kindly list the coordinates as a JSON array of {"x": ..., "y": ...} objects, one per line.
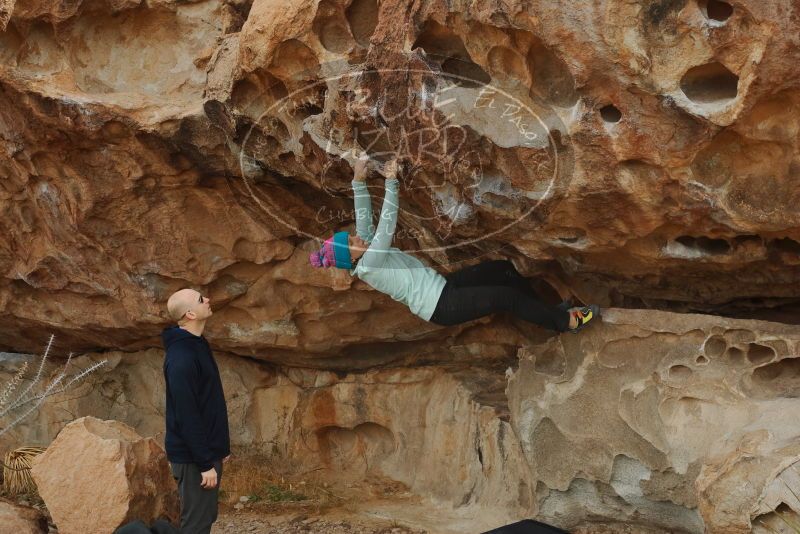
[{"x": 197, "y": 417}]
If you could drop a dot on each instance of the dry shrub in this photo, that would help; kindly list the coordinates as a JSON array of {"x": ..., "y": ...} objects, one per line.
[
  {"x": 267, "y": 480},
  {"x": 17, "y": 470}
]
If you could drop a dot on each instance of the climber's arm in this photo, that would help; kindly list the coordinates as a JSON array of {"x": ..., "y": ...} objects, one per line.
[
  {"x": 365, "y": 228},
  {"x": 384, "y": 235}
]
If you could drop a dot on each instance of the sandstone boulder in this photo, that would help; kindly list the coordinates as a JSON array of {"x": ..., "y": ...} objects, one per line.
[
  {"x": 675, "y": 126},
  {"x": 98, "y": 475},
  {"x": 682, "y": 422},
  {"x": 18, "y": 519}
]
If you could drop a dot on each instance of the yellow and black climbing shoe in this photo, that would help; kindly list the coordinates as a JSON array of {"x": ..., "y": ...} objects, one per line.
[{"x": 584, "y": 316}]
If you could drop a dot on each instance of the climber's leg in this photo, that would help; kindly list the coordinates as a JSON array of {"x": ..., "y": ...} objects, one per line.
[
  {"x": 489, "y": 273},
  {"x": 459, "y": 304}
]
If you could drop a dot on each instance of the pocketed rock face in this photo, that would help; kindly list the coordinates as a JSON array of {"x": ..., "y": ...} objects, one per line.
[
  {"x": 99, "y": 475},
  {"x": 678, "y": 421},
  {"x": 664, "y": 172},
  {"x": 652, "y": 422},
  {"x": 424, "y": 428}
]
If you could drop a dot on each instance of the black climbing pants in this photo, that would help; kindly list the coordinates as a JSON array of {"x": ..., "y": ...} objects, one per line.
[
  {"x": 491, "y": 287},
  {"x": 198, "y": 505}
]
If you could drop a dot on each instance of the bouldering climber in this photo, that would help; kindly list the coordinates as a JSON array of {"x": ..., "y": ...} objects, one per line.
[{"x": 458, "y": 297}]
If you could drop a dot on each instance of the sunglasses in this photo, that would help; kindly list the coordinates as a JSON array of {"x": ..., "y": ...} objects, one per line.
[{"x": 199, "y": 301}]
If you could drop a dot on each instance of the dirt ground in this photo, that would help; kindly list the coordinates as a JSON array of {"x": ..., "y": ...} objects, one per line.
[
  {"x": 333, "y": 522},
  {"x": 256, "y": 497}
]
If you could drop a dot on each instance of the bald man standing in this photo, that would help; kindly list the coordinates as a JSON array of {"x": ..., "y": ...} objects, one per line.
[{"x": 197, "y": 439}]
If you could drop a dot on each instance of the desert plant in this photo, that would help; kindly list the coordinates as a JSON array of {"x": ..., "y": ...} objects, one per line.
[
  {"x": 17, "y": 470},
  {"x": 30, "y": 398},
  {"x": 16, "y": 406},
  {"x": 275, "y": 493}
]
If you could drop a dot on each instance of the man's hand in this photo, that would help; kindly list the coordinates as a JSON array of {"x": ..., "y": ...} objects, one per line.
[
  {"x": 209, "y": 479},
  {"x": 360, "y": 167}
]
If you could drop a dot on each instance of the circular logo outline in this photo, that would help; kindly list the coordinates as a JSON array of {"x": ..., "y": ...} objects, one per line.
[{"x": 552, "y": 145}]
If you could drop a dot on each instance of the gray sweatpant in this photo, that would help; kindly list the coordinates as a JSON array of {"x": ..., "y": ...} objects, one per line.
[{"x": 198, "y": 505}]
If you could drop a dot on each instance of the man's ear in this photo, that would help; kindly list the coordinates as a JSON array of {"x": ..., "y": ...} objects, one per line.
[{"x": 190, "y": 315}]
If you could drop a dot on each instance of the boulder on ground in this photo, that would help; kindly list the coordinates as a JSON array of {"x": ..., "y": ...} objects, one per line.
[
  {"x": 98, "y": 475},
  {"x": 21, "y": 519}
]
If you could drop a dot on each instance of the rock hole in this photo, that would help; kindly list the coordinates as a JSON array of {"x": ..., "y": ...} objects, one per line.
[
  {"x": 334, "y": 37},
  {"x": 506, "y": 63},
  {"x": 717, "y": 10},
  {"x": 254, "y": 94},
  {"x": 758, "y": 354},
  {"x": 777, "y": 520},
  {"x": 610, "y": 113},
  {"x": 362, "y": 15},
  {"x": 293, "y": 60},
  {"x": 710, "y": 83},
  {"x": 550, "y": 76},
  {"x": 783, "y": 508},
  {"x": 715, "y": 346},
  {"x": 442, "y": 44},
  {"x": 307, "y": 102},
  {"x": 705, "y": 245},
  {"x": 679, "y": 372},
  {"x": 331, "y": 28},
  {"x": 438, "y": 40},
  {"x": 785, "y": 245},
  {"x": 735, "y": 355},
  {"x": 307, "y": 109},
  {"x": 747, "y": 240},
  {"x": 468, "y": 74},
  {"x": 786, "y": 368},
  {"x": 701, "y": 360},
  {"x": 10, "y": 44},
  {"x": 782, "y": 376}
]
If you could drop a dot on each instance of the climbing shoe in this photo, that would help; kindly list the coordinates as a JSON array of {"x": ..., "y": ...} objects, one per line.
[{"x": 584, "y": 315}]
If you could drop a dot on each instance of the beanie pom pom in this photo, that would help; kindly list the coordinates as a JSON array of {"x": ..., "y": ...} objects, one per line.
[{"x": 315, "y": 258}]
